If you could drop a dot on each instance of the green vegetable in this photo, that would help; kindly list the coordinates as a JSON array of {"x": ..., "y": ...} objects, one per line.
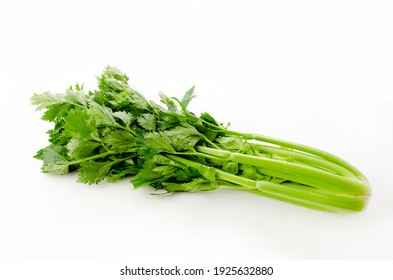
[{"x": 114, "y": 132}]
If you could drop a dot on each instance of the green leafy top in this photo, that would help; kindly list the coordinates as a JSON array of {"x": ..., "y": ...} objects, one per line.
[{"x": 103, "y": 133}]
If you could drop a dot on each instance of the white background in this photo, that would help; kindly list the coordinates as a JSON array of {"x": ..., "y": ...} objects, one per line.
[{"x": 315, "y": 72}]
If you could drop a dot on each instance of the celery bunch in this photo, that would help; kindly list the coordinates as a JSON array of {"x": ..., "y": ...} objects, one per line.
[{"x": 115, "y": 132}]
